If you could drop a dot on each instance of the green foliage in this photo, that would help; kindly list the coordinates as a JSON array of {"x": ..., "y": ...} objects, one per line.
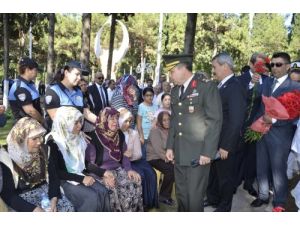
[
  {"x": 269, "y": 34},
  {"x": 215, "y": 32},
  {"x": 294, "y": 46}
]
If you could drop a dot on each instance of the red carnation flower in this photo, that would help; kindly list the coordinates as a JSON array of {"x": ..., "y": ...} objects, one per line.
[
  {"x": 260, "y": 67},
  {"x": 194, "y": 84}
]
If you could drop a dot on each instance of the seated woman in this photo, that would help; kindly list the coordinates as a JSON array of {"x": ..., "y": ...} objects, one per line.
[
  {"x": 165, "y": 105},
  {"x": 26, "y": 170},
  {"x": 134, "y": 153},
  {"x": 68, "y": 148},
  {"x": 124, "y": 183},
  {"x": 156, "y": 156}
]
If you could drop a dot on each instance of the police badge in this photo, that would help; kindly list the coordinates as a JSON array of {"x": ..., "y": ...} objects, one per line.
[
  {"x": 22, "y": 97},
  {"x": 48, "y": 99}
]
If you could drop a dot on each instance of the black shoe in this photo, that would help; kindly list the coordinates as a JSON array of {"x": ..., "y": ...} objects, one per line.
[
  {"x": 259, "y": 202},
  {"x": 207, "y": 203},
  {"x": 169, "y": 201},
  {"x": 251, "y": 191}
]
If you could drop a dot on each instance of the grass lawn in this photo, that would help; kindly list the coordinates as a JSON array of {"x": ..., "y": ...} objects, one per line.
[{"x": 4, "y": 131}]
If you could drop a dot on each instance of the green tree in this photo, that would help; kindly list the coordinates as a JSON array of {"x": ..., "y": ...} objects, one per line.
[
  {"x": 51, "y": 52},
  {"x": 85, "y": 39},
  {"x": 190, "y": 31},
  {"x": 294, "y": 45},
  {"x": 269, "y": 34}
]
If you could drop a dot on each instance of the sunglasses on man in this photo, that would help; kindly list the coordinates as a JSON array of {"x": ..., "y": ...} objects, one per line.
[{"x": 277, "y": 64}]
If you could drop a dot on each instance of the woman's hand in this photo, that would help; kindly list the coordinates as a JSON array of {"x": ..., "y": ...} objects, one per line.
[
  {"x": 53, "y": 204},
  {"x": 128, "y": 153},
  {"x": 88, "y": 181},
  {"x": 134, "y": 176},
  {"x": 86, "y": 138},
  {"x": 38, "y": 209},
  {"x": 109, "y": 179},
  {"x": 142, "y": 140}
]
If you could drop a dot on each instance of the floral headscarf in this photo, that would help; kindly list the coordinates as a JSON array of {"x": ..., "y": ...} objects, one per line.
[
  {"x": 32, "y": 165},
  {"x": 122, "y": 86},
  {"x": 72, "y": 146},
  {"x": 108, "y": 138}
]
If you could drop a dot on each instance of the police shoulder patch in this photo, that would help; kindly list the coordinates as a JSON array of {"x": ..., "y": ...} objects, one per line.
[
  {"x": 22, "y": 97},
  {"x": 48, "y": 99}
]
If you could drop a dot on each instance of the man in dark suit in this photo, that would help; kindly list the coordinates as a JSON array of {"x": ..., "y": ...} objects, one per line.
[
  {"x": 246, "y": 155},
  {"x": 98, "y": 94},
  {"x": 233, "y": 95},
  {"x": 194, "y": 131},
  {"x": 273, "y": 148}
]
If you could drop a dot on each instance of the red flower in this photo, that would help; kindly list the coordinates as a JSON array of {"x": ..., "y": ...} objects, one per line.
[
  {"x": 267, "y": 60},
  {"x": 194, "y": 84},
  {"x": 286, "y": 106},
  {"x": 260, "y": 67},
  {"x": 291, "y": 101}
]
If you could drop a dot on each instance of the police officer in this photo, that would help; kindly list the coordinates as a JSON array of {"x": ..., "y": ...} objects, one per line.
[
  {"x": 194, "y": 131},
  {"x": 23, "y": 97},
  {"x": 65, "y": 92}
]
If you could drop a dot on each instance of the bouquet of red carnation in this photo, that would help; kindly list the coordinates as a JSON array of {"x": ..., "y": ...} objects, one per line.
[
  {"x": 260, "y": 67},
  {"x": 286, "y": 106},
  {"x": 291, "y": 101}
]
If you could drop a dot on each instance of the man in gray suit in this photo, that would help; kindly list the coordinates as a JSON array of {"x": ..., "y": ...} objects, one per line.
[{"x": 194, "y": 131}]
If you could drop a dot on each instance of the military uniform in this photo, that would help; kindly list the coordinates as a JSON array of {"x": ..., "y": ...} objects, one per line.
[{"x": 195, "y": 126}]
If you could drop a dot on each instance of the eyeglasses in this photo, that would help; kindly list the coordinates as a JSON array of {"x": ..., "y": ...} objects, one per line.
[
  {"x": 100, "y": 78},
  {"x": 277, "y": 64}
]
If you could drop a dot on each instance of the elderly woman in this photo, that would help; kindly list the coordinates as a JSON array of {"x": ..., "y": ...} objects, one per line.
[
  {"x": 134, "y": 152},
  {"x": 26, "y": 170},
  {"x": 156, "y": 156},
  {"x": 126, "y": 96},
  {"x": 68, "y": 148},
  {"x": 123, "y": 182}
]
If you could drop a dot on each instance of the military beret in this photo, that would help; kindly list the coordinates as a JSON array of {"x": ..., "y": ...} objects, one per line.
[{"x": 172, "y": 60}]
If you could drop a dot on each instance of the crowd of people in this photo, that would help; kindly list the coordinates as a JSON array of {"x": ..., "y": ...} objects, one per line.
[{"x": 101, "y": 147}]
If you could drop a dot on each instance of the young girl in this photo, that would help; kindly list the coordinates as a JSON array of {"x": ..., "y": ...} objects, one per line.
[{"x": 145, "y": 118}]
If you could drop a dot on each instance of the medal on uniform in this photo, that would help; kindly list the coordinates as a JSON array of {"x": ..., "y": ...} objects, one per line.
[{"x": 191, "y": 108}]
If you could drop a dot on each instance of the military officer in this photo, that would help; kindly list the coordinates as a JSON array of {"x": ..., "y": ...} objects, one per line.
[
  {"x": 194, "y": 131},
  {"x": 23, "y": 96}
]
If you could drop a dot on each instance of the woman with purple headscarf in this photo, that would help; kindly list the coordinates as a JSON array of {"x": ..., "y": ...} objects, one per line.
[
  {"x": 123, "y": 182},
  {"x": 126, "y": 96}
]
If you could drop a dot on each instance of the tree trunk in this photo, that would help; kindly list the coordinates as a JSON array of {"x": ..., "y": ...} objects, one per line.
[
  {"x": 85, "y": 39},
  {"x": 111, "y": 44},
  {"x": 50, "y": 58},
  {"x": 6, "y": 44},
  {"x": 190, "y": 32}
]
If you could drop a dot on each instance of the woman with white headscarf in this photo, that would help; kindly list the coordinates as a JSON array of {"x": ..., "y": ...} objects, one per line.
[
  {"x": 68, "y": 148},
  {"x": 28, "y": 174}
]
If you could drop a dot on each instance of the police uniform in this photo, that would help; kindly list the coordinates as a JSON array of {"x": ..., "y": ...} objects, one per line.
[
  {"x": 58, "y": 95},
  {"x": 23, "y": 93},
  {"x": 194, "y": 130}
]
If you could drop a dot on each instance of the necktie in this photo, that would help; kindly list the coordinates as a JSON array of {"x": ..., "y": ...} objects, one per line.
[
  {"x": 181, "y": 91},
  {"x": 274, "y": 85},
  {"x": 102, "y": 97}
]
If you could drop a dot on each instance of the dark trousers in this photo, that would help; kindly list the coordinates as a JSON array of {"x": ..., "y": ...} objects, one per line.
[
  {"x": 245, "y": 164},
  {"x": 190, "y": 186},
  {"x": 93, "y": 198},
  {"x": 167, "y": 169},
  {"x": 272, "y": 154},
  {"x": 221, "y": 183}
]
